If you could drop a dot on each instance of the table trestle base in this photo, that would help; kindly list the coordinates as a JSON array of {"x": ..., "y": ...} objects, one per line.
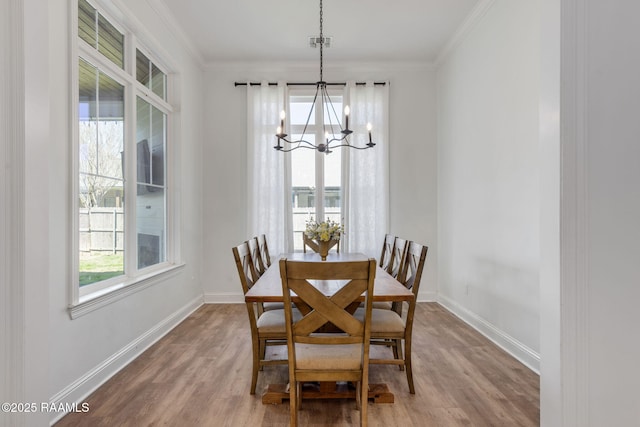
[{"x": 276, "y": 393}]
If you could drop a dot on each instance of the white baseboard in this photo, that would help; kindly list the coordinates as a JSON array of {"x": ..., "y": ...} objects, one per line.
[
  {"x": 427, "y": 296},
  {"x": 80, "y": 389},
  {"x": 521, "y": 352}
]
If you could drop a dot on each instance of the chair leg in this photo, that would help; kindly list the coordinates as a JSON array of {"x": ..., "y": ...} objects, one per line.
[
  {"x": 293, "y": 404},
  {"x": 364, "y": 401},
  {"x": 358, "y": 395},
  {"x": 256, "y": 366},
  {"x": 394, "y": 347},
  {"x": 263, "y": 350},
  {"x": 407, "y": 363},
  {"x": 397, "y": 352}
]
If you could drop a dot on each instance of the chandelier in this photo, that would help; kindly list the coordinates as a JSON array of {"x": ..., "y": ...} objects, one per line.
[{"x": 335, "y": 135}]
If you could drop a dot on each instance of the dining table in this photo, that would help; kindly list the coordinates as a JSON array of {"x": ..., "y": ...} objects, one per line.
[{"x": 268, "y": 288}]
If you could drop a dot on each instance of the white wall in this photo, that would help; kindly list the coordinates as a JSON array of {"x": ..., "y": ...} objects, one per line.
[
  {"x": 551, "y": 375},
  {"x": 610, "y": 134},
  {"x": 85, "y": 351},
  {"x": 412, "y": 158},
  {"x": 23, "y": 343},
  {"x": 488, "y": 177}
]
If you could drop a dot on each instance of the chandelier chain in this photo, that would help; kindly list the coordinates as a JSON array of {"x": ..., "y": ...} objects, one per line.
[{"x": 321, "y": 40}]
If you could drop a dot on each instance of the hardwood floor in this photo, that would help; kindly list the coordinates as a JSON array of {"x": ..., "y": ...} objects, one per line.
[{"x": 200, "y": 374}]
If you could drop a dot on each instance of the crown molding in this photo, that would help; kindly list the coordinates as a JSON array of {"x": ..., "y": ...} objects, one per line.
[
  {"x": 165, "y": 14},
  {"x": 312, "y": 65},
  {"x": 472, "y": 19}
]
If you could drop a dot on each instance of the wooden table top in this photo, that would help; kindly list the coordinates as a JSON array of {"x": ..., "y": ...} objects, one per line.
[{"x": 269, "y": 287}]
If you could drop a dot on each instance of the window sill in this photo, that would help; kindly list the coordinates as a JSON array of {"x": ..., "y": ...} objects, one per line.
[{"x": 94, "y": 301}]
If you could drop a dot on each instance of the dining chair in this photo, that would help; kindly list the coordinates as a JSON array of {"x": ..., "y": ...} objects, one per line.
[
  {"x": 264, "y": 250},
  {"x": 388, "y": 328},
  {"x": 317, "y": 356},
  {"x": 397, "y": 256},
  {"x": 267, "y": 327}
]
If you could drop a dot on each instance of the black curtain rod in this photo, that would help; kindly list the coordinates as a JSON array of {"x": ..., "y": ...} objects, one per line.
[{"x": 308, "y": 84}]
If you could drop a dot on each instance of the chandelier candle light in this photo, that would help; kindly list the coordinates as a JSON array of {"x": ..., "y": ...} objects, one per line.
[{"x": 332, "y": 121}]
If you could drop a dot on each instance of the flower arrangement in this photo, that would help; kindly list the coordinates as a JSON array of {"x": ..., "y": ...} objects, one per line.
[{"x": 323, "y": 231}]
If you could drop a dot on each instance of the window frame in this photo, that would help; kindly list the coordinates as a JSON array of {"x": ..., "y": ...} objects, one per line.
[{"x": 95, "y": 295}]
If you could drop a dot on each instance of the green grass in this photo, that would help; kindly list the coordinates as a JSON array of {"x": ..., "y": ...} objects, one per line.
[{"x": 95, "y": 268}]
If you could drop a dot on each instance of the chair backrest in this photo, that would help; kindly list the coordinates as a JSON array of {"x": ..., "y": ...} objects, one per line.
[
  {"x": 387, "y": 250},
  {"x": 244, "y": 263},
  {"x": 359, "y": 277},
  {"x": 397, "y": 256},
  {"x": 264, "y": 250},
  {"x": 256, "y": 257},
  {"x": 411, "y": 273}
]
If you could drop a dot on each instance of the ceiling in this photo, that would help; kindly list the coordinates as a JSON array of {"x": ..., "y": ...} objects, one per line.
[{"x": 278, "y": 30}]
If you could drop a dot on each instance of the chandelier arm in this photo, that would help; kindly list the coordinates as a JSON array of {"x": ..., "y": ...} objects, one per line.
[
  {"x": 353, "y": 146},
  {"x": 339, "y": 139},
  {"x": 288, "y": 150},
  {"x": 306, "y": 125},
  {"x": 333, "y": 109},
  {"x": 300, "y": 142}
]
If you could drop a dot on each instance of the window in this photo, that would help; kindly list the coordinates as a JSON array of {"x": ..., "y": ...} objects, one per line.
[
  {"x": 346, "y": 186},
  {"x": 122, "y": 153},
  {"x": 101, "y": 179},
  {"x": 316, "y": 178}
]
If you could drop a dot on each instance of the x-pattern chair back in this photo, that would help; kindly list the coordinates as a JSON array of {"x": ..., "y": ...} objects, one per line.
[
  {"x": 246, "y": 268},
  {"x": 264, "y": 250},
  {"x": 321, "y": 309},
  {"x": 254, "y": 248},
  {"x": 326, "y": 310},
  {"x": 397, "y": 256},
  {"x": 387, "y": 251},
  {"x": 411, "y": 272},
  {"x": 413, "y": 265}
]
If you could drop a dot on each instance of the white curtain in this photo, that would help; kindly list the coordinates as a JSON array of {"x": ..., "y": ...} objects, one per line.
[
  {"x": 269, "y": 209},
  {"x": 366, "y": 172}
]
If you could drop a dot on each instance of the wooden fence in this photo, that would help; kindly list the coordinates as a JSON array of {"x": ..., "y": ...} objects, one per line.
[{"x": 101, "y": 230}]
